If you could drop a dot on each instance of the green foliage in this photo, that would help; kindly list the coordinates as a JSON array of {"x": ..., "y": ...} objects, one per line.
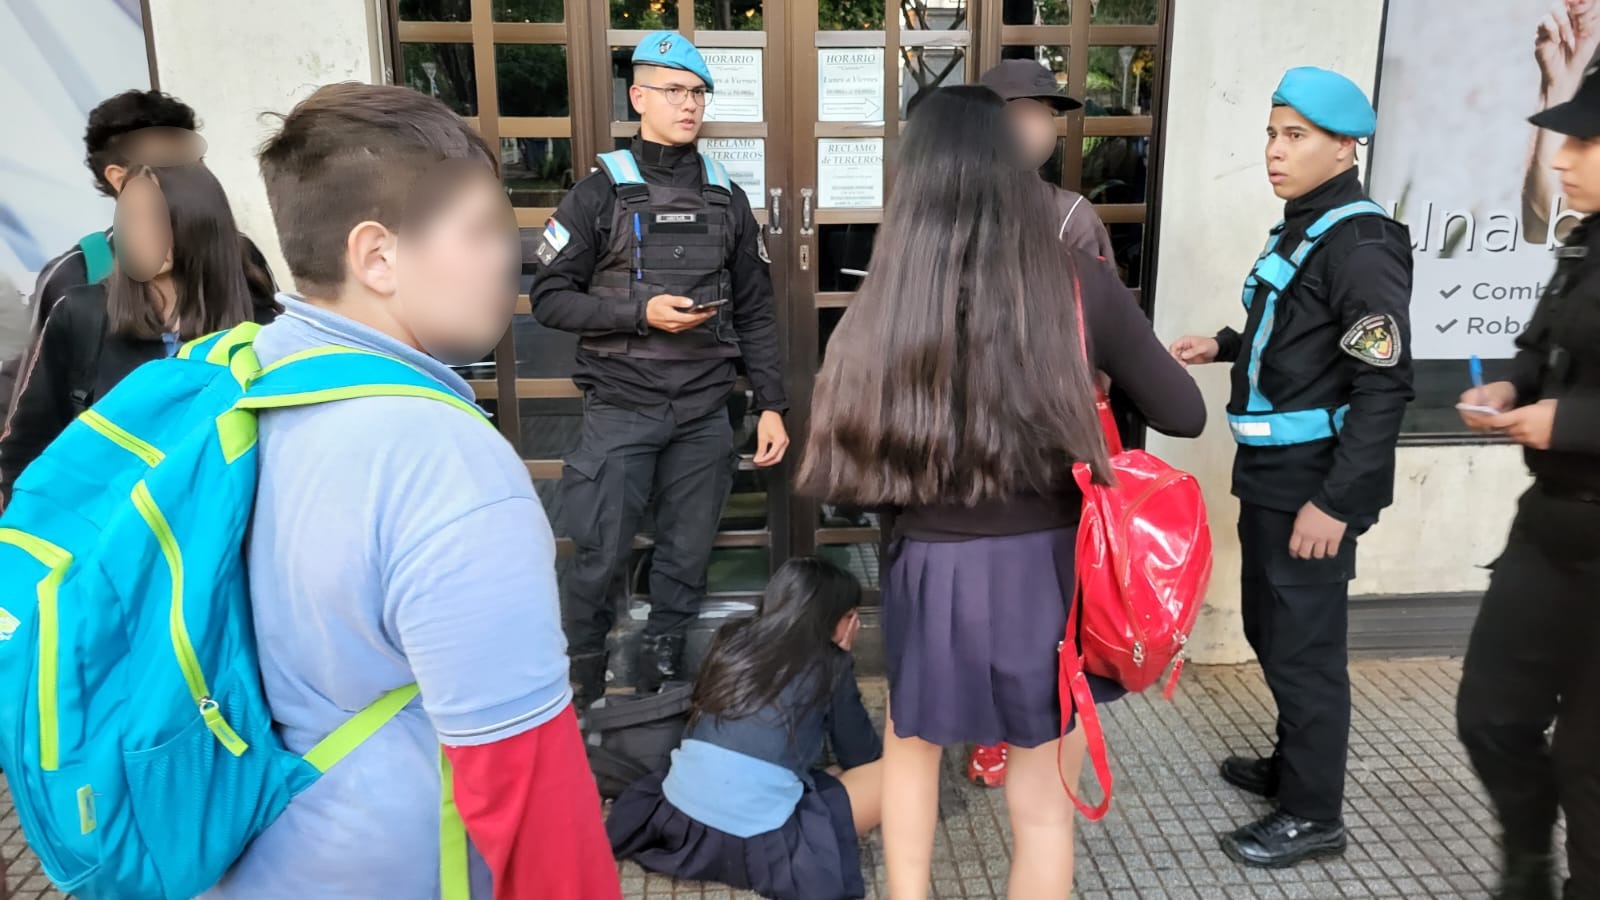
[{"x": 850, "y": 15}]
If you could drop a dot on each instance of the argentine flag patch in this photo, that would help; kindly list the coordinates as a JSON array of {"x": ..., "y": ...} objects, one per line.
[{"x": 555, "y": 239}]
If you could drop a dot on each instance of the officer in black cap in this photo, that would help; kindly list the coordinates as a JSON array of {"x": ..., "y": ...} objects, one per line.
[
  {"x": 1033, "y": 101},
  {"x": 658, "y": 263},
  {"x": 1533, "y": 660},
  {"x": 1321, "y": 379}
]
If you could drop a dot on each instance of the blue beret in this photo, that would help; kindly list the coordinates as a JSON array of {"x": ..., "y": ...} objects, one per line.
[
  {"x": 671, "y": 50},
  {"x": 1328, "y": 100}
]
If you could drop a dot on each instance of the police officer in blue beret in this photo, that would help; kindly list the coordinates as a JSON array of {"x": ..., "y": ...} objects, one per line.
[
  {"x": 1321, "y": 379},
  {"x": 657, "y": 263}
]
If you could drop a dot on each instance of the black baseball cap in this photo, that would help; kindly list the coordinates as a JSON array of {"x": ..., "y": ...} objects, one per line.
[
  {"x": 1025, "y": 79},
  {"x": 1578, "y": 117}
]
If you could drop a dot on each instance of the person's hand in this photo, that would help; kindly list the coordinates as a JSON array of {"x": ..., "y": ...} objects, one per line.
[
  {"x": 1317, "y": 535},
  {"x": 669, "y": 313},
  {"x": 772, "y": 439},
  {"x": 1529, "y": 426},
  {"x": 1563, "y": 43},
  {"x": 1195, "y": 351},
  {"x": 845, "y": 634},
  {"x": 1501, "y": 395}
]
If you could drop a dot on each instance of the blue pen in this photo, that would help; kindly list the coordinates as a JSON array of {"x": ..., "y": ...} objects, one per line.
[
  {"x": 638, "y": 254},
  {"x": 1475, "y": 368}
]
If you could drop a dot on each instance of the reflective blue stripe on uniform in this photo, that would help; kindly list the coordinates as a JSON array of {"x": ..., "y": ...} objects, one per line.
[
  {"x": 1262, "y": 426},
  {"x": 1284, "y": 429},
  {"x": 716, "y": 174},
  {"x": 622, "y": 167}
]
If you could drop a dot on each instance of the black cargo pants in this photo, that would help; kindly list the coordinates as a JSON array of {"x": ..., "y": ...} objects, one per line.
[
  {"x": 623, "y": 461},
  {"x": 1296, "y": 618},
  {"x": 1534, "y": 661}
]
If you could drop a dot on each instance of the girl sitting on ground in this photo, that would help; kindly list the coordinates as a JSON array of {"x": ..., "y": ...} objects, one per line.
[{"x": 743, "y": 802}]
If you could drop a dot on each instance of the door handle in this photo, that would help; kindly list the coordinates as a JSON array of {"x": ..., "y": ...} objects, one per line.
[
  {"x": 775, "y": 212},
  {"x": 805, "y": 211}
]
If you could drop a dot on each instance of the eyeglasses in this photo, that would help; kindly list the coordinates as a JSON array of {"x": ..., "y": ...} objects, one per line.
[{"x": 676, "y": 94}]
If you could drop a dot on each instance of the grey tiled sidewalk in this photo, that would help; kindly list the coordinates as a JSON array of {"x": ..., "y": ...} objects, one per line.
[{"x": 1419, "y": 827}]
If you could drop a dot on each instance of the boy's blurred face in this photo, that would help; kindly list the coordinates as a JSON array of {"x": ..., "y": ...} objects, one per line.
[
  {"x": 457, "y": 259},
  {"x": 1035, "y": 126},
  {"x": 157, "y": 145}
]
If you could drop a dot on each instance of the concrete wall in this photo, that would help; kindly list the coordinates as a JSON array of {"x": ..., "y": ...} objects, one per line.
[
  {"x": 234, "y": 62},
  {"x": 1453, "y": 504}
]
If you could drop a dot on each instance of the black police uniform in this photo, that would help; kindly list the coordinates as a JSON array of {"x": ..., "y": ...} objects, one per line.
[
  {"x": 1318, "y": 423},
  {"x": 1533, "y": 660},
  {"x": 655, "y": 423}
]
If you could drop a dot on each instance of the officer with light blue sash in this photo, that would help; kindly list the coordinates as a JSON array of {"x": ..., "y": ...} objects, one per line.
[{"x": 1321, "y": 378}]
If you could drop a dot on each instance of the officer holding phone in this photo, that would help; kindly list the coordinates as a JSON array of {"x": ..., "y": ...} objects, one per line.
[
  {"x": 1533, "y": 661},
  {"x": 657, "y": 262}
]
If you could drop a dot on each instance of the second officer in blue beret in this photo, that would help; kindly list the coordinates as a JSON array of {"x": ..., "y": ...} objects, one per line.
[
  {"x": 657, "y": 263},
  {"x": 1321, "y": 379}
]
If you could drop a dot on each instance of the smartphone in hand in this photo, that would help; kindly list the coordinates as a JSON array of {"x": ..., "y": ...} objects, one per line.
[{"x": 707, "y": 307}]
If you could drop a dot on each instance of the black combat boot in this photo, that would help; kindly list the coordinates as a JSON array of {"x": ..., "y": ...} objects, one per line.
[
  {"x": 660, "y": 661},
  {"x": 588, "y": 677},
  {"x": 1527, "y": 876}
]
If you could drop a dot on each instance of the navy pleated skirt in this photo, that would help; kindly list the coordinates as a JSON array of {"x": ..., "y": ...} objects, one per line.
[
  {"x": 971, "y": 630},
  {"x": 813, "y": 856}
]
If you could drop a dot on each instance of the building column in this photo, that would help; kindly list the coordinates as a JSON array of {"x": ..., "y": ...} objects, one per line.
[{"x": 235, "y": 63}]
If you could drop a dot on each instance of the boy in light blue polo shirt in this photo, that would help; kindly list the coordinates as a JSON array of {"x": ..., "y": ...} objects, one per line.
[{"x": 399, "y": 540}]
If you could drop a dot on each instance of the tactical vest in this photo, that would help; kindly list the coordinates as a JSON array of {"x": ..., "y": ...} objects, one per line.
[
  {"x": 668, "y": 240},
  {"x": 1260, "y": 425}
]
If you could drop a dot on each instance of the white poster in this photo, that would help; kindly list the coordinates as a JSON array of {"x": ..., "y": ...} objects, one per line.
[
  {"x": 850, "y": 85},
  {"x": 745, "y": 160},
  {"x": 850, "y": 173},
  {"x": 737, "y": 76},
  {"x": 1479, "y": 207}
]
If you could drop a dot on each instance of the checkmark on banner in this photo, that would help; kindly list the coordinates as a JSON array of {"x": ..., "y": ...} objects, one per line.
[
  {"x": 1450, "y": 293},
  {"x": 1446, "y": 326}
]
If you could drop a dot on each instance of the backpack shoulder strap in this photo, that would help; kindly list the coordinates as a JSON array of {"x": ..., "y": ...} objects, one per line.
[
  {"x": 88, "y": 339},
  {"x": 330, "y": 374},
  {"x": 97, "y": 257},
  {"x": 626, "y": 179}
]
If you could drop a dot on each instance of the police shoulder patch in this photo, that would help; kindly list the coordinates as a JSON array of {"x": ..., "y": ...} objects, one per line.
[
  {"x": 761, "y": 247},
  {"x": 1375, "y": 340},
  {"x": 553, "y": 241}
]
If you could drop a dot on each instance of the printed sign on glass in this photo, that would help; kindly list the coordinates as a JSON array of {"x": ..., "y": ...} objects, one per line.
[
  {"x": 850, "y": 173},
  {"x": 737, "y": 75},
  {"x": 850, "y": 85}
]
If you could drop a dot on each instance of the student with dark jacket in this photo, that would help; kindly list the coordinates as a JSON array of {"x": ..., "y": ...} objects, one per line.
[
  {"x": 744, "y": 802},
  {"x": 953, "y": 391},
  {"x": 179, "y": 277},
  {"x": 106, "y": 157}
]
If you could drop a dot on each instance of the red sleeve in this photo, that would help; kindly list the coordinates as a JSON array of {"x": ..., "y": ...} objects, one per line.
[{"x": 530, "y": 805}]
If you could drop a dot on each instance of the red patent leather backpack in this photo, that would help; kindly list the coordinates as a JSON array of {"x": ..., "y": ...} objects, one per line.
[{"x": 1143, "y": 563}]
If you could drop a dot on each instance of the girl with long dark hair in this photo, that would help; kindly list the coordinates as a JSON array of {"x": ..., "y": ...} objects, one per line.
[
  {"x": 743, "y": 802},
  {"x": 956, "y": 393},
  {"x": 175, "y": 230}
]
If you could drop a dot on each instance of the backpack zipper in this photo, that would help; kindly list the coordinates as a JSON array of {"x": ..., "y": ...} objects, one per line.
[
  {"x": 122, "y": 438},
  {"x": 188, "y": 662},
  {"x": 58, "y": 560}
]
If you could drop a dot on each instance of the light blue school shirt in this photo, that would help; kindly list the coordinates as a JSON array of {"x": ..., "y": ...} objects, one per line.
[{"x": 395, "y": 540}]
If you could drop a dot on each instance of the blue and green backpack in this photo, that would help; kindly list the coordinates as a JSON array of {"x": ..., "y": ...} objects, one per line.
[{"x": 134, "y": 730}]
